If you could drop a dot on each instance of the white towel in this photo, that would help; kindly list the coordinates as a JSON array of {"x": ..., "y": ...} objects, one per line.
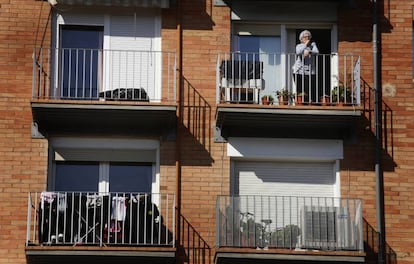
[{"x": 118, "y": 208}]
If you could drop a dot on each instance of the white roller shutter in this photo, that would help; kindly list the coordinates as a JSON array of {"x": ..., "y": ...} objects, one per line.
[
  {"x": 265, "y": 187},
  {"x": 285, "y": 178},
  {"x": 132, "y": 62},
  {"x": 80, "y": 18}
]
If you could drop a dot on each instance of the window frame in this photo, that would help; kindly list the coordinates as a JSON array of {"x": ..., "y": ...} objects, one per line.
[{"x": 104, "y": 151}]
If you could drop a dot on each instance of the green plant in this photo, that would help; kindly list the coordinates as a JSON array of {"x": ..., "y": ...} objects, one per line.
[
  {"x": 268, "y": 98},
  {"x": 285, "y": 96},
  {"x": 286, "y": 237},
  {"x": 301, "y": 98},
  {"x": 284, "y": 93},
  {"x": 341, "y": 93}
]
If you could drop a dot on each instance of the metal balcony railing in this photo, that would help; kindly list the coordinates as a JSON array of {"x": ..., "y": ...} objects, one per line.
[
  {"x": 334, "y": 79},
  {"x": 93, "y": 74},
  {"x": 290, "y": 222},
  {"x": 100, "y": 219}
]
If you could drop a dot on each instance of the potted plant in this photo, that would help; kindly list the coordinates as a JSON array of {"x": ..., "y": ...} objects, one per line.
[
  {"x": 341, "y": 94},
  {"x": 267, "y": 100},
  {"x": 287, "y": 236},
  {"x": 301, "y": 98},
  {"x": 325, "y": 100},
  {"x": 284, "y": 96}
]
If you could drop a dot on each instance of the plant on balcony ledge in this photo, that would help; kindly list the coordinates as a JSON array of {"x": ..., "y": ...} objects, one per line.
[
  {"x": 286, "y": 237},
  {"x": 301, "y": 98},
  {"x": 267, "y": 100},
  {"x": 341, "y": 94},
  {"x": 284, "y": 96}
]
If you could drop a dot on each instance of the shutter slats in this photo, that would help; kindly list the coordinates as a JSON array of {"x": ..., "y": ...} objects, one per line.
[{"x": 286, "y": 178}]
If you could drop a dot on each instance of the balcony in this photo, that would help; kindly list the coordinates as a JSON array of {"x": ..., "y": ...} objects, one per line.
[
  {"x": 101, "y": 91},
  {"x": 325, "y": 104},
  {"x": 113, "y": 3},
  {"x": 135, "y": 226},
  {"x": 288, "y": 228}
]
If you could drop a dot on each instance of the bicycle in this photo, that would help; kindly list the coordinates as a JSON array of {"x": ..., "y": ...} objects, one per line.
[
  {"x": 265, "y": 234},
  {"x": 247, "y": 229}
]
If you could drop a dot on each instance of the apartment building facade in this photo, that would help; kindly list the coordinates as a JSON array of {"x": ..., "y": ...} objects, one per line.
[{"x": 138, "y": 131}]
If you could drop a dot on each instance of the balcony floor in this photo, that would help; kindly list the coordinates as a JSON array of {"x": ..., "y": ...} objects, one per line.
[
  {"x": 251, "y": 255},
  {"x": 101, "y": 255},
  {"x": 323, "y": 122},
  {"x": 104, "y": 117}
]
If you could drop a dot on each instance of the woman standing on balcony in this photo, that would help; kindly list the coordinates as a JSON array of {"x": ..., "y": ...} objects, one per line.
[{"x": 304, "y": 70}]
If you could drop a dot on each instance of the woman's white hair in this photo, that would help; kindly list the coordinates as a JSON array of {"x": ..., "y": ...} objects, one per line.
[{"x": 303, "y": 33}]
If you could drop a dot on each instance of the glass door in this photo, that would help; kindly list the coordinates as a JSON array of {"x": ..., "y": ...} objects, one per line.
[
  {"x": 267, "y": 50},
  {"x": 80, "y": 61}
]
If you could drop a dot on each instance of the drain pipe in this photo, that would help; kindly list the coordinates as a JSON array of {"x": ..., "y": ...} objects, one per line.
[
  {"x": 379, "y": 176},
  {"x": 178, "y": 128}
]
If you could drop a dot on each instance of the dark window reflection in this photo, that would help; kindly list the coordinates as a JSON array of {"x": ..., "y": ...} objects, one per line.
[
  {"x": 80, "y": 59},
  {"x": 130, "y": 177},
  {"x": 77, "y": 176}
]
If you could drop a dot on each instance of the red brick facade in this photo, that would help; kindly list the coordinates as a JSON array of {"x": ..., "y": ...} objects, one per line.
[{"x": 205, "y": 166}]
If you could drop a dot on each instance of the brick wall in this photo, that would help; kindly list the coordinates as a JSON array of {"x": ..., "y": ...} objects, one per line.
[
  {"x": 23, "y": 161},
  {"x": 205, "y": 165},
  {"x": 203, "y": 180},
  {"x": 397, "y": 84}
]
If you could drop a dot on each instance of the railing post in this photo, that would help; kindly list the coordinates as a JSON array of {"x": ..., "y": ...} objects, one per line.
[
  {"x": 29, "y": 206},
  {"x": 218, "y": 79},
  {"x": 34, "y": 74}
]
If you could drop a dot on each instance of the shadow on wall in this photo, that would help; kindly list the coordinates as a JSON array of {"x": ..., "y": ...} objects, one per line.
[
  {"x": 198, "y": 15},
  {"x": 196, "y": 120},
  {"x": 193, "y": 249},
  {"x": 365, "y": 149},
  {"x": 371, "y": 246},
  {"x": 357, "y": 9}
]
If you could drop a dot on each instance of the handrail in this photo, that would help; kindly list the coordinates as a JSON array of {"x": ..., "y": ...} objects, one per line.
[
  {"x": 322, "y": 223},
  {"x": 244, "y": 77},
  {"x": 100, "y": 219},
  {"x": 100, "y": 74}
]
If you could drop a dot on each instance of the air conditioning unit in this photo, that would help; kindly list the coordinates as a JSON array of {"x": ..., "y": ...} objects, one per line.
[{"x": 327, "y": 228}]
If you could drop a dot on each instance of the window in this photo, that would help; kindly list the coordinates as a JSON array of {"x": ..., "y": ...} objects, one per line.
[
  {"x": 130, "y": 177},
  {"x": 82, "y": 176},
  {"x": 77, "y": 176},
  {"x": 104, "y": 165}
]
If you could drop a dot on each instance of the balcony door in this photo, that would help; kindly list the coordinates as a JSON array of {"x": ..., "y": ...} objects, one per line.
[
  {"x": 325, "y": 63},
  {"x": 80, "y": 60},
  {"x": 265, "y": 49},
  {"x": 274, "y": 45},
  {"x": 106, "y": 50}
]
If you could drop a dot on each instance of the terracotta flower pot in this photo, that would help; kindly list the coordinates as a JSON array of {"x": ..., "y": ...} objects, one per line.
[
  {"x": 325, "y": 100},
  {"x": 283, "y": 100}
]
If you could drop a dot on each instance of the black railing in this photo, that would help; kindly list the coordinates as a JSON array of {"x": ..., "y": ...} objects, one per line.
[{"x": 100, "y": 219}]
